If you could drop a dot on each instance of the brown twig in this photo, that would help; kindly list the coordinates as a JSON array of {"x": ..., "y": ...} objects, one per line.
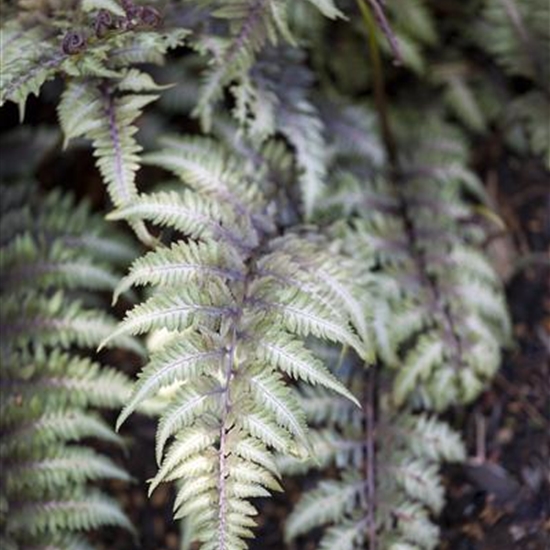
[
  {"x": 379, "y": 86},
  {"x": 387, "y": 30}
]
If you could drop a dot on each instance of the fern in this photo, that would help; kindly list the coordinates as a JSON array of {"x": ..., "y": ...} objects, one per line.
[
  {"x": 34, "y": 52},
  {"x": 516, "y": 35},
  {"x": 250, "y": 25},
  {"x": 388, "y": 497},
  {"x": 284, "y": 92},
  {"x": 443, "y": 320},
  {"x": 98, "y": 114},
  {"x": 415, "y": 32},
  {"x": 62, "y": 220},
  {"x": 239, "y": 301},
  {"x": 439, "y": 322},
  {"x": 49, "y": 393},
  {"x": 105, "y": 96},
  {"x": 100, "y": 102},
  {"x": 240, "y": 295}
]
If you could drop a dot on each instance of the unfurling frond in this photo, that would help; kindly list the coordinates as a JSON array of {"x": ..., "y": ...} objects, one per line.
[
  {"x": 36, "y": 49},
  {"x": 239, "y": 302}
]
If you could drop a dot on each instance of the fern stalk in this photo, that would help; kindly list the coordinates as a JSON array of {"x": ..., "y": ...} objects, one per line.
[
  {"x": 378, "y": 76},
  {"x": 370, "y": 459}
]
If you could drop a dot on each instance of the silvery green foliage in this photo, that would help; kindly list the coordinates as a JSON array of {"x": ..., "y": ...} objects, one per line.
[
  {"x": 239, "y": 290},
  {"x": 398, "y": 488},
  {"x": 441, "y": 319},
  {"x": 517, "y": 36},
  {"x": 238, "y": 297},
  {"x": 104, "y": 93},
  {"x": 54, "y": 257},
  {"x": 279, "y": 99},
  {"x": 514, "y": 37},
  {"x": 244, "y": 29},
  {"x": 268, "y": 80}
]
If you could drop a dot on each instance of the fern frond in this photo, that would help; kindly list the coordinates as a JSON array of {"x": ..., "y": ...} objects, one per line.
[
  {"x": 304, "y": 318},
  {"x": 319, "y": 275},
  {"x": 285, "y": 90},
  {"x": 34, "y": 49},
  {"x": 48, "y": 394},
  {"x": 260, "y": 425},
  {"x": 204, "y": 165},
  {"x": 173, "y": 314},
  {"x": 57, "y": 320},
  {"x": 294, "y": 359},
  {"x": 230, "y": 294},
  {"x": 70, "y": 426},
  {"x": 24, "y": 260},
  {"x": 249, "y": 28},
  {"x": 419, "y": 365},
  {"x": 182, "y": 263},
  {"x": 409, "y": 450},
  {"x": 517, "y": 35},
  {"x": 443, "y": 316},
  {"x": 185, "y": 446},
  {"x": 107, "y": 120},
  {"x": 104, "y": 95},
  {"x": 181, "y": 360},
  {"x": 251, "y": 25},
  {"x": 28, "y": 60},
  {"x": 348, "y": 535},
  {"x": 184, "y": 212},
  {"x": 70, "y": 226},
  {"x": 62, "y": 468},
  {"x": 82, "y": 512},
  {"x": 75, "y": 381},
  {"x": 190, "y": 403},
  {"x": 327, "y": 503},
  {"x": 270, "y": 393}
]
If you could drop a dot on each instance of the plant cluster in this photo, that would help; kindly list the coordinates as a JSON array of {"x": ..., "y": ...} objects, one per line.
[{"x": 317, "y": 286}]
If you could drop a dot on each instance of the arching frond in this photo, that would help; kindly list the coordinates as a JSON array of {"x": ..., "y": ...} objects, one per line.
[
  {"x": 107, "y": 120},
  {"x": 237, "y": 302}
]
